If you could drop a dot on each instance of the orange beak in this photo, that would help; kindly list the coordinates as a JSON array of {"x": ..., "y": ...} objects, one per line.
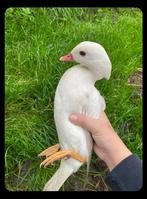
[{"x": 67, "y": 57}]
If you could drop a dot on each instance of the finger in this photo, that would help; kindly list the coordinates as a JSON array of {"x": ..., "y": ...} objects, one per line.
[{"x": 85, "y": 122}]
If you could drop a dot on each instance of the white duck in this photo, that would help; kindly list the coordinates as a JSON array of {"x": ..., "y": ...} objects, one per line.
[{"x": 76, "y": 93}]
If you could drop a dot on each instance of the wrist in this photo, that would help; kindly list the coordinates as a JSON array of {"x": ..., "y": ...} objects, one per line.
[{"x": 115, "y": 153}]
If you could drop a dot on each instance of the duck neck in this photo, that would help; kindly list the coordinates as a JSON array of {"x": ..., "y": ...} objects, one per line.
[{"x": 97, "y": 71}]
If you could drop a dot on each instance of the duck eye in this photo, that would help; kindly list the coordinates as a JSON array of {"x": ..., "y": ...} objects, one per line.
[{"x": 82, "y": 53}]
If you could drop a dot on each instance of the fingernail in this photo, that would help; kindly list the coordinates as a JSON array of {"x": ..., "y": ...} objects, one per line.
[{"x": 73, "y": 118}]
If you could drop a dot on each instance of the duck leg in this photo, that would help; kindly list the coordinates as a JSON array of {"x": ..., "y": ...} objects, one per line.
[
  {"x": 49, "y": 151},
  {"x": 62, "y": 154}
]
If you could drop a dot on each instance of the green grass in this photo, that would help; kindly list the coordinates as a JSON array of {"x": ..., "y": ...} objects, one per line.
[{"x": 35, "y": 38}]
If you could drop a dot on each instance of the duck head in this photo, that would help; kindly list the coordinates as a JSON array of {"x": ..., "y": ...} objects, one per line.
[{"x": 92, "y": 56}]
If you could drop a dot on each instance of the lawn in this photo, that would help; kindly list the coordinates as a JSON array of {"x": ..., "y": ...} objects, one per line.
[{"x": 35, "y": 38}]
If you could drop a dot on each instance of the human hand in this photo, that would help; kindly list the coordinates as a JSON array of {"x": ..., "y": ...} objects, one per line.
[{"x": 107, "y": 144}]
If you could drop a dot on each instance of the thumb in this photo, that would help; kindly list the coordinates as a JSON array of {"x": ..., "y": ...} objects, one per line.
[{"x": 84, "y": 121}]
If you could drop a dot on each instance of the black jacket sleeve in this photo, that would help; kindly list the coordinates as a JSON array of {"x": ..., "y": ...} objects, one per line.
[{"x": 127, "y": 175}]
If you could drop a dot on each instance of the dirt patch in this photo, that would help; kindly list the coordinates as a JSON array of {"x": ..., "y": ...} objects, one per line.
[
  {"x": 16, "y": 181},
  {"x": 136, "y": 80}
]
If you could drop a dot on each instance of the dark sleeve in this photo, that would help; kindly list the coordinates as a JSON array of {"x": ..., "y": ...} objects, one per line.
[{"x": 127, "y": 175}]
